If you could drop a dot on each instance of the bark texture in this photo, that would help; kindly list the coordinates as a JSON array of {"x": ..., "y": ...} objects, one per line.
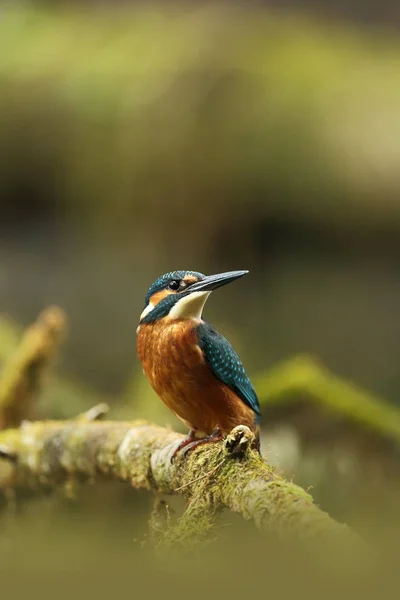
[{"x": 226, "y": 474}]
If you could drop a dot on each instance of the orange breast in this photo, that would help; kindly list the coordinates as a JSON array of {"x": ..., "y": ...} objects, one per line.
[{"x": 175, "y": 367}]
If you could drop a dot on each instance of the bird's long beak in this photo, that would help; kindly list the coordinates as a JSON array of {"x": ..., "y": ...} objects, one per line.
[{"x": 211, "y": 282}]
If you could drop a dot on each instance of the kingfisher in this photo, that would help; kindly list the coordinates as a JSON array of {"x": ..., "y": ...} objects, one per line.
[{"x": 193, "y": 368}]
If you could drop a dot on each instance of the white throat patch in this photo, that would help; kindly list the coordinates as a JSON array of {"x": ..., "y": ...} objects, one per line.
[
  {"x": 147, "y": 310},
  {"x": 189, "y": 307}
]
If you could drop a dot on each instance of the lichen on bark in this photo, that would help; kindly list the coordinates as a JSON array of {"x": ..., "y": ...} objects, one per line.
[{"x": 227, "y": 474}]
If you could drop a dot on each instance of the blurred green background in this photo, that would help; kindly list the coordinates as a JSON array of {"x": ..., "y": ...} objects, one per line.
[
  {"x": 136, "y": 141},
  {"x": 141, "y": 138}
]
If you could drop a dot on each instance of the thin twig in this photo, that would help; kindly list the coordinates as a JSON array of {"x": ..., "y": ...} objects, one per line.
[{"x": 206, "y": 476}]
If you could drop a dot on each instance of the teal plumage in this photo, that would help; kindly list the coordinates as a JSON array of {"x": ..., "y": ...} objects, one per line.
[
  {"x": 226, "y": 365},
  {"x": 193, "y": 368}
]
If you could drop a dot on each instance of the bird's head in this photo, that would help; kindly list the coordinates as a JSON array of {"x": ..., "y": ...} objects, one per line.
[{"x": 182, "y": 294}]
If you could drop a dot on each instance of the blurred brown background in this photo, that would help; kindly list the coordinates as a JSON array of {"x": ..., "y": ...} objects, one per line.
[{"x": 141, "y": 138}]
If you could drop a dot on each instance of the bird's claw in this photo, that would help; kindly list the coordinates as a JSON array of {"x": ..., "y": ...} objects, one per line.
[
  {"x": 191, "y": 437},
  {"x": 240, "y": 439},
  {"x": 190, "y": 442}
]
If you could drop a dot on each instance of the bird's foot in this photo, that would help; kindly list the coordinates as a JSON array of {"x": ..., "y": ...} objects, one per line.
[
  {"x": 215, "y": 436},
  {"x": 189, "y": 439},
  {"x": 240, "y": 440}
]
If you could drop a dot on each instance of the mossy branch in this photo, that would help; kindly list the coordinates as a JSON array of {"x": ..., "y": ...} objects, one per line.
[
  {"x": 21, "y": 374},
  {"x": 304, "y": 376},
  {"x": 227, "y": 474}
]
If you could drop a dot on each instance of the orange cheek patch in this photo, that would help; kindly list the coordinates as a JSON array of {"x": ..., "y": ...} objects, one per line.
[
  {"x": 190, "y": 279},
  {"x": 158, "y": 296}
]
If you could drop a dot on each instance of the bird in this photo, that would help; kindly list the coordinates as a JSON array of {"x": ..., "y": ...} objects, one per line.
[{"x": 192, "y": 367}]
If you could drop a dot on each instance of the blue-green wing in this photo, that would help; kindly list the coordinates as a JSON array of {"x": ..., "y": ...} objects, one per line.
[{"x": 226, "y": 364}]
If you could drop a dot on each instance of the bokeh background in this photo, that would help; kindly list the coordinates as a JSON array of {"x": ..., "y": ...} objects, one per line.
[{"x": 139, "y": 138}]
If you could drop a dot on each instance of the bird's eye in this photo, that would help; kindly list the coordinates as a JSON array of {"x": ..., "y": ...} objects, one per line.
[{"x": 174, "y": 285}]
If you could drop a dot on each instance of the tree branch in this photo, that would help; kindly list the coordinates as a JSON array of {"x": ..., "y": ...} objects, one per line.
[
  {"x": 303, "y": 376},
  {"x": 21, "y": 374},
  {"x": 222, "y": 475}
]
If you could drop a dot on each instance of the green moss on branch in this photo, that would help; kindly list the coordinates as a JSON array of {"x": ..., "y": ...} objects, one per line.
[
  {"x": 222, "y": 475},
  {"x": 303, "y": 376}
]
